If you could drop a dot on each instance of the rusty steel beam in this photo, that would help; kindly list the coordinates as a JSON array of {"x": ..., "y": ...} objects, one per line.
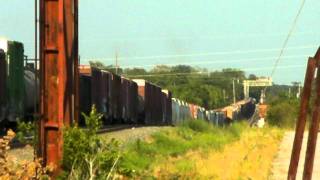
[
  {"x": 301, "y": 123},
  {"x": 313, "y": 128},
  {"x": 57, "y": 60},
  {"x": 76, "y": 62}
]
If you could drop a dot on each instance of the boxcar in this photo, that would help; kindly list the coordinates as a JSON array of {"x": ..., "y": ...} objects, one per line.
[
  {"x": 248, "y": 109},
  {"x": 129, "y": 100},
  {"x": 125, "y": 88},
  {"x": 85, "y": 96},
  {"x": 201, "y": 113},
  {"x": 99, "y": 91},
  {"x": 175, "y": 111},
  {"x": 193, "y": 111},
  {"x": 158, "y": 111},
  {"x": 115, "y": 98},
  {"x": 133, "y": 102},
  {"x": 166, "y": 107},
  {"x": 146, "y": 94}
]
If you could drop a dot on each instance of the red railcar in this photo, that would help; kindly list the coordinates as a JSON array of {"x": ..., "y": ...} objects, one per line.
[
  {"x": 100, "y": 88},
  {"x": 115, "y": 98},
  {"x": 145, "y": 91},
  {"x": 158, "y": 111},
  {"x": 85, "y": 70},
  {"x": 153, "y": 105},
  {"x": 129, "y": 100},
  {"x": 85, "y": 96},
  {"x": 133, "y": 102},
  {"x": 3, "y": 77},
  {"x": 125, "y": 88}
]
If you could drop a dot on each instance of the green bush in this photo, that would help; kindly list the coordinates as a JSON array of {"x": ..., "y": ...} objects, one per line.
[
  {"x": 198, "y": 125},
  {"x": 85, "y": 154},
  {"x": 26, "y": 132},
  {"x": 283, "y": 113}
]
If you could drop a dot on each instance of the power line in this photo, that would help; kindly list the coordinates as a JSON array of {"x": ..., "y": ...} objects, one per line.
[
  {"x": 213, "y": 62},
  {"x": 288, "y": 37},
  {"x": 202, "y": 54},
  {"x": 207, "y": 37}
]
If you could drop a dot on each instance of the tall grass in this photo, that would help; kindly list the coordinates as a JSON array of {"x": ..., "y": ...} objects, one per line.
[{"x": 142, "y": 156}]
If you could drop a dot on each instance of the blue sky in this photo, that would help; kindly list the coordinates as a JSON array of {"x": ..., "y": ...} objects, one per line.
[{"x": 213, "y": 34}]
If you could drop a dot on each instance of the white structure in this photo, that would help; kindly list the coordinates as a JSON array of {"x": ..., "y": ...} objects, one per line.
[{"x": 261, "y": 82}]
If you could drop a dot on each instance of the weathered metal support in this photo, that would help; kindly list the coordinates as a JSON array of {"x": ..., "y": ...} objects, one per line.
[
  {"x": 313, "y": 131},
  {"x": 76, "y": 61},
  {"x": 301, "y": 123},
  {"x": 313, "y": 65},
  {"x": 57, "y": 61}
]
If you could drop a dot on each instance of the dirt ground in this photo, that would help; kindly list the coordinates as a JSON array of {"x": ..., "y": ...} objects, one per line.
[
  {"x": 26, "y": 153},
  {"x": 282, "y": 161},
  {"x": 21, "y": 154},
  {"x": 131, "y": 134}
]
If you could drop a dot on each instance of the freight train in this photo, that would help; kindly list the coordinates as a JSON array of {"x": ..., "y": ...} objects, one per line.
[
  {"x": 119, "y": 99},
  {"x": 137, "y": 101}
]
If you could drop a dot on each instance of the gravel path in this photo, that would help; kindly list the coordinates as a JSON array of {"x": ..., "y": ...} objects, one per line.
[
  {"x": 132, "y": 134},
  {"x": 282, "y": 161}
]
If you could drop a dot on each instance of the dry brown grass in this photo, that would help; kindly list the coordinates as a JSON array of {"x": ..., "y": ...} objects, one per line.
[
  {"x": 11, "y": 169},
  {"x": 249, "y": 158}
]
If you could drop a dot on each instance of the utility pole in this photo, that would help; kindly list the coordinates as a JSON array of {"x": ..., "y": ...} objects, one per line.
[
  {"x": 234, "y": 92},
  {"x": 299, "y": 91},
  {"x": 289, "y": 92},
  {"x": 117, "y": 66}
]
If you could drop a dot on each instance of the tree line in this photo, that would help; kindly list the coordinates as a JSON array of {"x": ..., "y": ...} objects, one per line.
[{"x": 209, "y": 89}]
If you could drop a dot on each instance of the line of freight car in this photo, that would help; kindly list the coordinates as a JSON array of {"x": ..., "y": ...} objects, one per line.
[
  {"x": 241, "y": 110},
  {"x": 121, "y": 100},
  {"x": 182, "y": 111}
]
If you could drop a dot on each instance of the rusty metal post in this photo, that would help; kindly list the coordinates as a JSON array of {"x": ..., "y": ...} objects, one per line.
[
  {"x": 41, "y": 143},
  {"x": 76, "y": 62},
  {"x": 313, "y": 129},
  {"x": 57, "y": 53},
  {"x": 301, "y": 123}
]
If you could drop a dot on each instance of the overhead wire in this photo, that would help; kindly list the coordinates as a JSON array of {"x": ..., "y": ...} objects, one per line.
[
  {"x": 200, "y": 54},
  {"x": 285, "y": 43},
  {"x": 211, "y": 62}
]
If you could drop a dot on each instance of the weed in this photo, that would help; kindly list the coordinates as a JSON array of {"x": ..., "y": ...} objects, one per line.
[{"x": 86, "y": 155}]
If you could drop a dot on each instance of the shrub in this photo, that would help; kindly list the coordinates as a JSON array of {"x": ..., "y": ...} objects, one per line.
[
  {"x": 198, "y": 125},
  {"x": 86, "y": 155},
  {"x": 283, "y": 113},
  {"x": 24, "y": 130}
]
